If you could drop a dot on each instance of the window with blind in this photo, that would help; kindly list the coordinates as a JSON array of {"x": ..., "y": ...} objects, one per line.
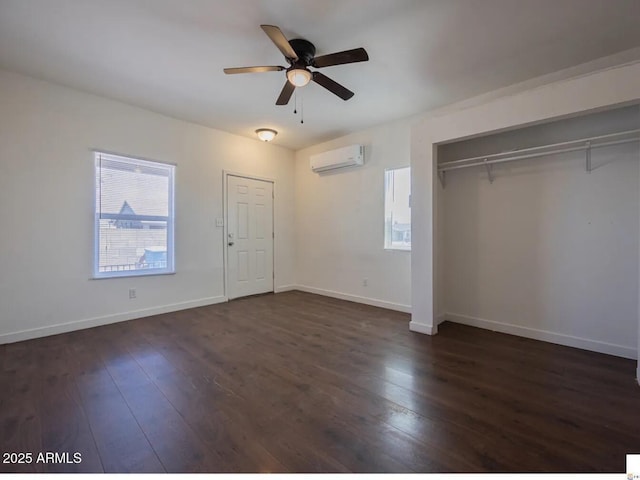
[
  {"x": 133, "y": 217},
  {"x": 397, "y": 209}
]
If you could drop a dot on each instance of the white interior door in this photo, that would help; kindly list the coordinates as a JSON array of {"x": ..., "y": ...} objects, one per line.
[{"x": 249, "y": 236}]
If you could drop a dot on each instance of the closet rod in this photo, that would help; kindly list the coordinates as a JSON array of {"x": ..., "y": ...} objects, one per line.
[
  {"x": 509, "y": 156},
  {"x": 539, "y": 154}
]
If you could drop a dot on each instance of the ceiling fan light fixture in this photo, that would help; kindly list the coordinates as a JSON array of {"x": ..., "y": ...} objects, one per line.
[
  {"x": 300, "y": 54},
  {"x": 299, "y": 77},
  {"x": 266, "y": 134}
]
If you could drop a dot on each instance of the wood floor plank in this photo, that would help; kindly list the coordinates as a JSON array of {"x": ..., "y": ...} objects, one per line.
[
  {"x": 367, "y": 406},
  {"x": 204, "y": 409},
  {"x": 65, "y": 427},
  {"x": 297, "y": 382},
  {"x": 552, "y": 393},
  {"x": 241, "y": 383},
  {"x": 121, "y": 443},
  {"x": 20, "y": 423},
  {"x": 174, "y": 442}
]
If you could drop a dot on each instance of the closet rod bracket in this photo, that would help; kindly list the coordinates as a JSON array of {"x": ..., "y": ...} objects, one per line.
[
  {"x": 441, "y": 176},
  {"x": 588, "y": 155},
  {"x": 489, "y": 172}
]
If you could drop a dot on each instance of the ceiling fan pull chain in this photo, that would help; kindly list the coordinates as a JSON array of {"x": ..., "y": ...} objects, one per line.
[
  {"x": 301, "y": 108},
  {"x": 295, "y": 102}
]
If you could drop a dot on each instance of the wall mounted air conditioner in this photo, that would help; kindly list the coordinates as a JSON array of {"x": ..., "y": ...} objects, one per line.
[{"x": 340, "y": 158}]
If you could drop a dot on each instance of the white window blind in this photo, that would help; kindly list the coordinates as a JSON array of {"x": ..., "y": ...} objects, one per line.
[
  {"x": 397, "y": 209},
  {"x": 133, "y": 216}
]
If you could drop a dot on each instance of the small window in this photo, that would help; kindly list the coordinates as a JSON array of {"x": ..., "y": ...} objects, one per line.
[
  {"x": 133, "y": 217},
  {"x": 397, "y": 209}
]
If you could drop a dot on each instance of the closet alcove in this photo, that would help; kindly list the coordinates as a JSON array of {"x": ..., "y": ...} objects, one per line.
[{"x": 538, "y": 231}]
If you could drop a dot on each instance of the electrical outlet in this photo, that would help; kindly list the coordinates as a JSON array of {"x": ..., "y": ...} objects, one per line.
[
  {"x": 132, "y": 293},
  {"x": 365, "y": 282}
]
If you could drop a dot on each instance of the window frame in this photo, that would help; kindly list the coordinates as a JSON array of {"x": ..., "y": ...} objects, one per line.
[
  {"x": 142, "y": 162},
  {"x": 388, "y": 244}
]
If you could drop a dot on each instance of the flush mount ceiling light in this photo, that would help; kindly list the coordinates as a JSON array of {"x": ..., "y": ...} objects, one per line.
[
  {"x": 299, "y": 77},
  {"x": 266, "y": 134}
]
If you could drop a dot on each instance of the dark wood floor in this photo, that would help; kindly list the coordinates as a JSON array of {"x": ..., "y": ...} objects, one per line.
[{"x": 296, "y": 382}]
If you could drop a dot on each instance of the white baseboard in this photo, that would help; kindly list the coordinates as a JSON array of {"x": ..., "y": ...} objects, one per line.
[
  {"x": 355, "y": 298},
  {"x": 105, "y": 320},
  {"x": 423, "y": 328},
  {"x": 284, "y": 288},
  {"x": 544, "y": 335}
]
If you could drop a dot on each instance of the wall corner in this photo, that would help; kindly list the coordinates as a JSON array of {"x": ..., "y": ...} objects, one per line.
[{"x": 423, "y": 328}]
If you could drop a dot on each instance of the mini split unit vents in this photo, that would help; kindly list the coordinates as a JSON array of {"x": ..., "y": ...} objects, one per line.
[{"x": 339, "y": 158}]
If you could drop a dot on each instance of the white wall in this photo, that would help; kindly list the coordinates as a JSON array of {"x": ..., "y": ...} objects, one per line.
[
  {"x": 599, "y": 90},
  {"x": 46, "y": 201},
  {"x": 340, "y": 223},
  {"x": 547, "y": 250}
]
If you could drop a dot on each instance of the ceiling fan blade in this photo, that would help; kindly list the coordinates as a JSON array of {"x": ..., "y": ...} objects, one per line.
[
  {"x": 273, "y": 68},
  {"x": 333, "y": 86},
  {"x": 280, "y": 40},
  {"x": 340, "y": 58},
  {"x": 286, "y": 93}
]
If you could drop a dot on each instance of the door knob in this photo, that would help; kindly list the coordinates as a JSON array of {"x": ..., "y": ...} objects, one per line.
[{"x": 231, "y": 244}]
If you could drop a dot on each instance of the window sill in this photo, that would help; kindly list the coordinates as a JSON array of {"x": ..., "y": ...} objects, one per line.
[{"x": 130, "y": 275}]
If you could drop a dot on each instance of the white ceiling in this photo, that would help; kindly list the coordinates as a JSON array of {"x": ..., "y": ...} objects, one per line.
[{"x": 168, "y": 55}]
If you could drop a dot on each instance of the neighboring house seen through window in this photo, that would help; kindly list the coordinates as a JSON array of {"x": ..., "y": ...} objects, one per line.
[
  {"x": 397, "y": 209},
  {"x": 133, "y": 217}
]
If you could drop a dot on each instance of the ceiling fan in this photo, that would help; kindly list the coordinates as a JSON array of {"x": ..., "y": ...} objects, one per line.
[{"x": 300, "y": 54}]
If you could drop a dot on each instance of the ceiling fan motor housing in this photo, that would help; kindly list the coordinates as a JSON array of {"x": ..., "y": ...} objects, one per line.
[{"x": 305, "y": 51}]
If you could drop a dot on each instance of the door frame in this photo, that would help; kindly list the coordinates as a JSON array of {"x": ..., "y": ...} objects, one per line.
[{"x": 225, "y": 230}]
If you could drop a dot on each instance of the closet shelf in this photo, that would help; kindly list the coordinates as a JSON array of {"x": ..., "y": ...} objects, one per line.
[{"x": 586, "y": 144}]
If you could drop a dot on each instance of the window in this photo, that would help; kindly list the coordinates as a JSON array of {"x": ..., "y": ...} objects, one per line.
[
  {"x": 397, "y": 208},
  {"x": 133, "y": 217}
]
